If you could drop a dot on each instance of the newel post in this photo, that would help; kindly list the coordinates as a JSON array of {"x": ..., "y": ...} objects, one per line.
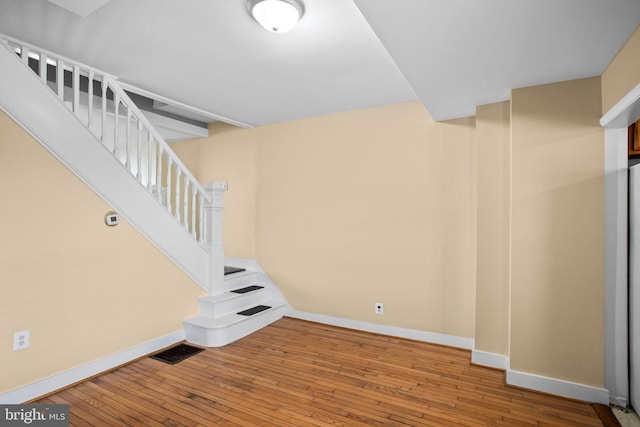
[{"x": 213, "y": 235}]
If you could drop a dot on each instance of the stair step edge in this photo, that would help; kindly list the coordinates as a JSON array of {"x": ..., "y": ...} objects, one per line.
[
  {"x": 230, "y": 319},
  {"x": 228, "y": 295},
  {"x": 239, "y": 274}
]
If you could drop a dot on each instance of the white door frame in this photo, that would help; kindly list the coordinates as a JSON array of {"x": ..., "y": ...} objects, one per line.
[
  {"x": 616, "y": 357},
  {"x": 634, "y": 287}
]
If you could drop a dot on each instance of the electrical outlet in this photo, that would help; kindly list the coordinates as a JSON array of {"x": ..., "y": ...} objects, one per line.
[
  {"x": 379, "y": 308},
  {"x": 21, "y": 340}
]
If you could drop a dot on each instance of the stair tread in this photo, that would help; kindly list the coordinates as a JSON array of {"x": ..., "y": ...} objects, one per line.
[
  {"x": 229, "y": 319},
  {"x": 228, "y": 270},
  {"x": 229, "y": 295},
  {"x": 254, "y": 310},
  {"x": 247, "y": 289}
]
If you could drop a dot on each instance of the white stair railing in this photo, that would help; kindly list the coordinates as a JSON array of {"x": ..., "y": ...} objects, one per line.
[{"x": 98, "y": 101}]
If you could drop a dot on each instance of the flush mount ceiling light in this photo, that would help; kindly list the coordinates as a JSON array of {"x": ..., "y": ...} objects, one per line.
[{"x": 277, "y": 16}]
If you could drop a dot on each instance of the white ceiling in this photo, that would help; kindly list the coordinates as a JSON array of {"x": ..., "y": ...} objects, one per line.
[
  {"x": 450, "y": 54},
  {"x": 458, "y": 54},
  {"x": 81, "y": 8}
]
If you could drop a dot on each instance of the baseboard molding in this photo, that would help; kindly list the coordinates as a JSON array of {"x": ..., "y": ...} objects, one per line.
[
  {"x": 558, "y": 387},
  {"x": 490, "y": 360},
  {"x": 64, "y": 379},
  {"x": 620, "y": 401},
  {"x": 395, "y": 331}
]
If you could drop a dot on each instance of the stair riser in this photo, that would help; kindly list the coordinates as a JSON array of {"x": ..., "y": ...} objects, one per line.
[
  {"x": 218, "y": 337},
  {"x": 239, "y": 280},
  {"x": 241, "y": 302}
]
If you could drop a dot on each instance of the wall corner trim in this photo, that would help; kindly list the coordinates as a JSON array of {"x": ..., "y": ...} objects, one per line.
[
  {"x": 558, "y": 387},
  {"x": 490, "y": 360},
  {"x": 74, "y": 375},
  {"x": 624, "y": 112},
  {"x": 394, "y": 331}
]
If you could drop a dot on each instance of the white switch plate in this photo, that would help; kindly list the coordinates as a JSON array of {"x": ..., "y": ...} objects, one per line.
[{"x": 21, "y": 340}]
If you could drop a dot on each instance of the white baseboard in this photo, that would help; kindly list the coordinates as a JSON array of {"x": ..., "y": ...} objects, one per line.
[
  {"x": 64, "y": 379},
  {"x": 622, "y": 402},
  {"x": 490, "y": 360},
  {"x": 558, "y": 387},
  {"x": 395, "y": 331}
]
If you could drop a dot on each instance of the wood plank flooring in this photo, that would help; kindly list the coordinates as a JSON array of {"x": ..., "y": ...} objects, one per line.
[{"x": 297, "y": 373}]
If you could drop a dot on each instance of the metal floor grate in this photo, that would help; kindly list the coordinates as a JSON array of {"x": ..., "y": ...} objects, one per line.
[{"x": 177, "y": 354}]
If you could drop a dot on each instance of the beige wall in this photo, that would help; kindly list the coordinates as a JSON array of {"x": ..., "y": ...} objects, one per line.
[
  {"x": 376, "y": 205},
  {"x": 380, "y": 205},
  {"x": 84, "y": 290},
  {"x": 622, "y": 74},
  {"x": 557, "y": 232},
  {"x": 494, "y": 203}
]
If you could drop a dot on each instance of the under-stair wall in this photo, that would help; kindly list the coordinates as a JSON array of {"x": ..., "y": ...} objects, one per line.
[{"x": 31, "y": 103}]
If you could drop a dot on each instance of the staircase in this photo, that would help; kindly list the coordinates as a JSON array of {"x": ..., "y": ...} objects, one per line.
[
  {"x": 250, "y": 300},
  {"x": 88, "y": 122}
]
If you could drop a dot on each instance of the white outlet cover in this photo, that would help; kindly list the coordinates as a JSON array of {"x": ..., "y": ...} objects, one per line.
[
  {"x": 21, "y": 340},
  {"x": 379, "y": 308}
]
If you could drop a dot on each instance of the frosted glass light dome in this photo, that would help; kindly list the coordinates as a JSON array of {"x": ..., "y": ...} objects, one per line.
[{"x": 277, "y": 16}]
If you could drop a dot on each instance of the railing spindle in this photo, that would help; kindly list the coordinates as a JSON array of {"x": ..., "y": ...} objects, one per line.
[
  {"x": 149, "y": 161},
  {"x": 103, "y": 136},
  {"x": 116, "y": 118},
  {"x": 90, "y": 100},
  {"x": 60, "y": 79},
  {"x": 43, "y": 67},
  {"x": 139, "y": 151},
  {"x": 75, "y": 107},
  {"x": 169, "y": 166},
  {"x": 201, "y": 220},
  {"x": 194, "y": 197},
  {"x": 24, "y": 55},
  {"x": 127, "y": 143},
  {"x": 185, "y": 214},
  {"x": 178, "y": 209},
  {"x": 159, "y": 173}
]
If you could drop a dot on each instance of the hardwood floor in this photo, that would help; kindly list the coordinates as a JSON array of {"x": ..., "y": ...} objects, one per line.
[{"x": 296, "y": 373}]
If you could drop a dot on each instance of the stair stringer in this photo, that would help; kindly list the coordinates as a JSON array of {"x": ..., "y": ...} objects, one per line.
[
  {"x": 31, "y": 104},
  {"x": 219, "y": 323}
]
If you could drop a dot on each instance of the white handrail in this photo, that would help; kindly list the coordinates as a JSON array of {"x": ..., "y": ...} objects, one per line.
[{"x": 165, "y": 159}]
